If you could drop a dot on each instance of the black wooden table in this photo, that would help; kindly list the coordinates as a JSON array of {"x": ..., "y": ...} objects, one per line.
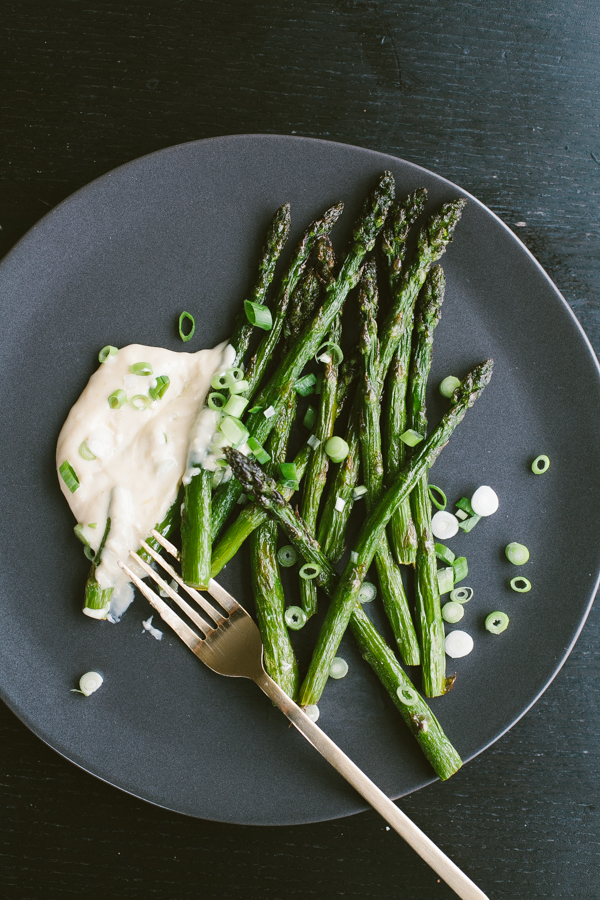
[{"x": 499, "y": 97}]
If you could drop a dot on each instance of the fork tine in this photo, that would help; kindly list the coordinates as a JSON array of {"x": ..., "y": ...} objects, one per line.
[
  {"x": 221, "y": 596},
  {"x": 204, "y": 626},
  {"x": 168, "y": 615},
  {"x": 167, "y": 545},
  {"x": 200, "y": 600}
]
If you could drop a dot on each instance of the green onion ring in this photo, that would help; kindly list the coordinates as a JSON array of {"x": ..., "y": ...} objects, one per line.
[
  {"x": 287, "y": 556},
  {"x": 139, "y": 402},
  {"x": 517, "y": 554},
  {"x": 461, "y": 594},
  {"x": 107, "y": 352},
  {"x": 182, "y": 318},
  {"x": 222, "y": 380},
  {"x": 520, "y": 585},
  {"x": 367, "y": 592},
  {"x": 337, "y": 449},
  {"x": 432, "y": 490},
  {"x": 449, "y": 385},
  {"x": 295, "y": 618},
  {"x": 309, "y": 571},
  {"x": 540, "y": 465},
  {"x": 496, "y": 622},
  {"x": 85, "y": 452},
  {"x": 117, "y": 399},
  {"x": 338, "y": 668},
  {"x": 141, "y": 368},
  {"x": 407, "y": 695},
  {"x": 69, "y": 476},
  {"x": 333, "y": 350},
  {"x": 258, "y": 315}
]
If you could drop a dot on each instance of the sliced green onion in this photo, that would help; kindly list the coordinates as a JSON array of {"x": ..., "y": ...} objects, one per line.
[
  {"x": 449, "y": 385},
  {"x": 452, "y": 612},
  {"x": 184, "y": 318},
  {"x": 287, "y": 556},
  {"x": 289, "y": 476},
  {"x": 411, "y": 437},
  {"x": 496, "y": 622},
  {"x": 269, "y": 412},
  {"x": 437, "y": 496},
  {"x": 218, "y": 441},
  {"x": 69, "y": 476},
  {"x": 306, "y": 385},
  {"x": 242, "y": 499},
  {"x": 319, "y": 384},
  {"x": 216, "y": 401},
  {"x": 258, "y": 315},
  {"x": 237, "y": 373},
  {"x": 309, "y": 571},
  {"x": 234, "y": 430},
  {"x": 217, "y": 478},
  {"x": 340, "y": 503},
  {"x": 139, "y": 402},
  {"x": 141, "y": 368},
  {"x": 469, "y": 524},
  {"x": 258, "y": 450},
  {"x": 338, "y": 667},
  {"x": 222, "y": 380},
  {"x": 461, "y": 514},
  {"x": 520, "y": 585},
  {"x": 367, "y": 592},
  {"x": 330, "y": 352},
  {"x": 158, "y": 391},
  {"x": 239, "y": 387},
  {"x": 295, "y": 618},
  {"x": 407, "y": 695},
  {"x": 540, "y": 465},
  {"x": 255, "y": 409},
  {"x": 107, "y": 353},
  {"x": 313, "y": 442},
  {"x": 353, "y": 556},
  {"x": 337, "y": 449},
  {"x": 80, "y": 535},
  {"x": 359, "y": 491},
  {"x": 235, "y": 406},
  {"x": 517, "y": 554},
  {"x": 310, "y": 417},
  {"x": 461, "y": 569},
  {"x": 90, "y": 682},
  {"x": 445, "y": 579},
  {"x": 92, "y": 524},
  {"x": 461, "y": 595},
  {"x": 117, "y": 399},
  {"x": 465, "y": 503},
  {"x": 444, "y": 553},
  {"x": 89, "y": 553},
  {"x": 85, "y": 452}
]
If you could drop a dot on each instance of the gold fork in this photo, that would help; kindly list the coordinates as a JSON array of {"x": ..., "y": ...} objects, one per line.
[{"x": 231, "y": 645}]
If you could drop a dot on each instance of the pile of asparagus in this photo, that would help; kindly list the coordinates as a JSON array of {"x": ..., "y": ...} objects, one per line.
[{"x": 375, "y": 395}]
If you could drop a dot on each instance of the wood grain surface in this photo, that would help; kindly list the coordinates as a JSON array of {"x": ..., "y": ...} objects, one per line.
[{"x": 499, "y": 97}]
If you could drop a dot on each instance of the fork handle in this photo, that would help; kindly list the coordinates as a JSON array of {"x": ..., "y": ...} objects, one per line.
[{"x": 427, "y": 850}]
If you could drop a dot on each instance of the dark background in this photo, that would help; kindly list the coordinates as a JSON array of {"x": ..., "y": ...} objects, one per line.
[{"x": 500, "y": 97}]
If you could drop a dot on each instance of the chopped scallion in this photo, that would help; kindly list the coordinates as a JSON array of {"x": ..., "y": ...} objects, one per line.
[
  {"x": 234, "y": 430},
  {"x": 359, "y": 491},
  {"x": 216, "y": 401},
  {"x": 222, "y": 380},
  {"x": 465, "y": 504},
  {"x": 461, "y": 569},
  {"x": 269, "y": 412},
  {"x": 461, "y": 595},
  {"x": 255, "y": 409},
  {"x": 107, "y": 353},
  {"x": 287, "y": 556},
  {"x": 444, "y": 525},
  {"x": 258, "y": 450},
  {"x": 289, "y": 476},
  {"x": 332, "y": 351},
  {"x": 461, "y": 514},
  {"x": 141, "y": 368},
  {"x": 310, "y": 417},
  {"x": 337, "y": 449},
  {"x": 452, "y": 612},
  {"x": 186, "y": 319},
  {"x": 309, "y": 571},
  {"x": 295, "y": 618},
  {"x": 540, "y": 465},
  {"x": 85, "y": 452},
  {"x": 445, "y": 579},
  {"x": 449, "y": 385},
  {"x": 139, "y": 402},
  {"x": 444, "y": 553},
  {"x": 354, "y": 556},
  {"x": 496, "y": 622},
  {"x": 411, "y": 437},
  {"x": 340, "y": 504},
  {"x": 306, "y": 385},
  {"x": 258, "y": 315},
  {"x": 313, "y": 442},
  {"x": 437, "y": 496},
  {"x": 235, "y": 406},
  {"x": 69, "y": 476},
  {"x": 469, "y": 524},
  {"x": 117, "y": 399},
  {"x": 520, "y": 585},
  {"x": 407, "y": 695},
  {"x": 517, "y": 554},
  {"x": 158, "y": 391},
  {"x": 338, "y": 667},
  {"x": 367, "y": 592},
  {"x": 239, "y": 387}
]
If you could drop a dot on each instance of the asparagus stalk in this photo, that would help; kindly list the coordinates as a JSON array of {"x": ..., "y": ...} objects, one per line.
[
  {"x": 403, "y": 536},
  {"x": 427, "y": 594},
  {"x": 331, "y": 532},
  {"x": 367, "y": 228},
  {"x": 390, "y": 579},
  {"x": 276, "y": 237},
  {"x": 304, "y": 300},
  {"x": 195, "y": 530},
  {"x": 279, "y": 657},
  {"x": 372, "y": 529}
]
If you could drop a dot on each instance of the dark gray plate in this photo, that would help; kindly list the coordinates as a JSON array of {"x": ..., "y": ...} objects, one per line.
[{"x": 180, "y": 229}]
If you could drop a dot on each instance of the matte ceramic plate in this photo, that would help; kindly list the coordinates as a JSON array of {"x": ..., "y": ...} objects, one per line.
[{"x": 181, "y": 229}]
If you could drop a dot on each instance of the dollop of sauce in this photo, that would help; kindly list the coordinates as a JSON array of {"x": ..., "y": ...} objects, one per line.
[{"x": 140, "y": 455}]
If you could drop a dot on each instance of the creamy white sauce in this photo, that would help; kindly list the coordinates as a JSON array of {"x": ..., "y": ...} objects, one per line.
[{"x": 141, "y": 455}]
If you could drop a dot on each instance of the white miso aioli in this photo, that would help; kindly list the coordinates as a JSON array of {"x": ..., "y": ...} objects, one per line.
[{"x": 141, "y": 455}]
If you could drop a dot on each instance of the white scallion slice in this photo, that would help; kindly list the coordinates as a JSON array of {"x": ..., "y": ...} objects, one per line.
[
  {"x": 312, "y": 711},
  {"x": 367, "y": 592},
  {"x": 458, "y": 643},
  {"x": 444, "y": 525},
  {"x": 338, "y": 667},
  {"x": 452, "y": 612},
  {"x": 340, "y": 504},
  {"x": 485, "y": 501},
  {"x": 90, "y": 682}
]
